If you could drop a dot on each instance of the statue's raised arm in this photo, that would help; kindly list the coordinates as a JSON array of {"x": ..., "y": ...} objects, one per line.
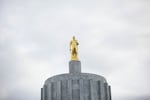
[{"x": 74, "y": 49}]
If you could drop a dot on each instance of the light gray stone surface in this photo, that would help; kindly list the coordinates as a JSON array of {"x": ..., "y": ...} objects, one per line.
[
  {"x": 74, "y": 66},
  {"x": 76, "y": 86}
]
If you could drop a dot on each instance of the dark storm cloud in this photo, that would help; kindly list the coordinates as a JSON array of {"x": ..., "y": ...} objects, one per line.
[{"x": 114, "y": 42}]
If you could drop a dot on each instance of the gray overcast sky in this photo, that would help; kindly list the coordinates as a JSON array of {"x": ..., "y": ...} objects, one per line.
[{"x": 114, "y": 37}]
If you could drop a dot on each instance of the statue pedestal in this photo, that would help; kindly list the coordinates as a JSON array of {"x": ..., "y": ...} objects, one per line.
[{"x": 74, "y": 66}]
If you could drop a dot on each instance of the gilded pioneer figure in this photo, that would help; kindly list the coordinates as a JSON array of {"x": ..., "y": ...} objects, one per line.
[{"x": 74, "y": 49}]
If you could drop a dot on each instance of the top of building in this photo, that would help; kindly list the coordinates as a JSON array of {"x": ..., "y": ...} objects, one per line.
[{"x": 76, "y": 85}]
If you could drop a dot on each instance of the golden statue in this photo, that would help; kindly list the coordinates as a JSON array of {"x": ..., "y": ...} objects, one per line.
[{"x": 74, "y": 49}]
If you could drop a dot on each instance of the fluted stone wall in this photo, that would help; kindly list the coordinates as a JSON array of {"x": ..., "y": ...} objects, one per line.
[{"x": 76, "y": 86}]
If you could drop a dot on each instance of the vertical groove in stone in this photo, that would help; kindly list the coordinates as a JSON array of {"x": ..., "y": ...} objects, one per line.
[
  {"x": 91, "y": 90},
  {"x": 69, "y": 89},
  {"x": 49, "y": 92},
  {"x": 109, "y": 93},
  {"x": 99, "y": 90},
  {"x": 75, "y": 90},
  {"x": 96, "y": 90},
  {"x": 41, "y": 93},
  {"x": 102, "y": 91},
  {"x": 58, "y": 91},
  {"x": 86, "y": 86},
  {"x": 64, "y": 90},
  {"x": 54, "y": 96},
  {"x": 81, "y": 89},
  {"x": 45, "y": 92},
  {"x": 106, "y": 91}
]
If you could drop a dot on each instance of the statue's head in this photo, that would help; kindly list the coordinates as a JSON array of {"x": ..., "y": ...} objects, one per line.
[{"x": 73, "y": 37}]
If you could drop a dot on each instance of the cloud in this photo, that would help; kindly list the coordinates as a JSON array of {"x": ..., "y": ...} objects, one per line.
[{"x": 114, "y": 39}]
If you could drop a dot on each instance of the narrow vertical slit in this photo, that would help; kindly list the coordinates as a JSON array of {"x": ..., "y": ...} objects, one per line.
[
  {"x": 99, "y": 90},
  {"x": 91, "y": 90},
  {"x": 109, "y": 92},
  {"x": 106, "y": 91},
  {"x": 58, "y": 90},
  {"x": 41, "y": 93},
  {"x": 81, "y": 89}
]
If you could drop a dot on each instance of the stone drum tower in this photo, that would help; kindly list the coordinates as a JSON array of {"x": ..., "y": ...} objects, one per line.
[{"x": 76, "y": 85}]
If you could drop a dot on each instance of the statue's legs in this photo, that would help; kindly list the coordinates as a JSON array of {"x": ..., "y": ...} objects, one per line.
[{"x": 74, "y": 54}]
